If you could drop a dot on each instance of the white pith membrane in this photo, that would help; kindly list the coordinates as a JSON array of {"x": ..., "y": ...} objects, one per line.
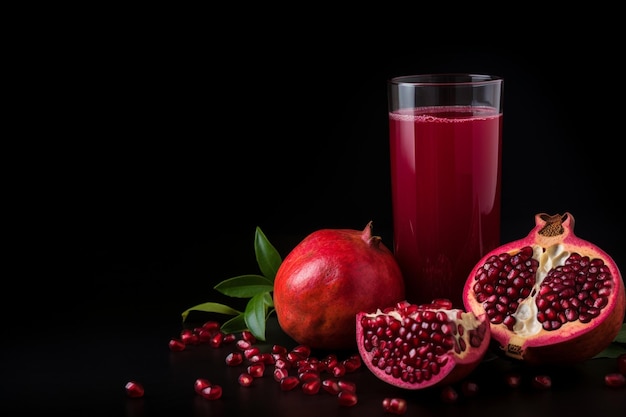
[
  {"x": 526, "y": 314},
  {"x": 457, "y": 324}
]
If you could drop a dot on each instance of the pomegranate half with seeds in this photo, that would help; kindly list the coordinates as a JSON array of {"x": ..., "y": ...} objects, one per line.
[
  {"x": 550, "y": 297},
  {"x": 418, "y": 346}
]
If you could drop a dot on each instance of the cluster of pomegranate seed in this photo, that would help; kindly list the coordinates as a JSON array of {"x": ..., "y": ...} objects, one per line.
[
  {"x": 290, "y": 368},
  {"x": 394, "y": 405},
  {"x": 206, "y": 389},
  {"x": 296, "y": 367}
]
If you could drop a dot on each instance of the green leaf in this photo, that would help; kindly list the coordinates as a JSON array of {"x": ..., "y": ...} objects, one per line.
[
  {"x": 621, "y": 336},
  {"x": 267, "y": 256},
  {"x": 255, "y": 314},
  {"x": 211, "y": 308},
  {"x": 244, "y": 286},
  {"x": 236, "y": 324},
  {"x": 612, "y": 351}
]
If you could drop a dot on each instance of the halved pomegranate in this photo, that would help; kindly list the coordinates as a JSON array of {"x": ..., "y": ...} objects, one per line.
[
  {"x": 551, "y": 297},
  {"x": 417, "y": 346}
]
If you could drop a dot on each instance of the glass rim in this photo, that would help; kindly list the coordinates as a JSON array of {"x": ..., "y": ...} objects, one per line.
[{"x": 447, "y": 78}]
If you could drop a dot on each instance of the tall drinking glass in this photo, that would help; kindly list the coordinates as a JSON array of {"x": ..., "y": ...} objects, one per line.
[{"x": 445, "y": 133}]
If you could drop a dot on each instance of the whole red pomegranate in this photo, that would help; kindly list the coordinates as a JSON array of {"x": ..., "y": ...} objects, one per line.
[
  {"x": 551, "y": 297},
  {"x": 418, "y": 346},
  {"x": 330, "y": 276}
]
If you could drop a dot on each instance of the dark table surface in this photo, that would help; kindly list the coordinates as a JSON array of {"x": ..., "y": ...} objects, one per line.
[{"x": 82, "y": 368}]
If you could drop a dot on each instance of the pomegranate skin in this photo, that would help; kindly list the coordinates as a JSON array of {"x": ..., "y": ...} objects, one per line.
[
  {"x": 572, "y": 306},
  {"x": 329, "y": 277}
]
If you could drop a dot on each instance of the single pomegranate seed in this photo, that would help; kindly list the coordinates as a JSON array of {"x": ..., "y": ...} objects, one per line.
[
  {"x": 248, "y": 337},
  {"x": 346, "y": 385},
  {"x": 252, "y": 351},
  {"x": 211, "y": 326},
  {"x": 469, "y": 388},
  {"x": 188, "y": 337},
  {"x": 229, "y": 338},
  {"x": 243, "y": 345},
  {"x": 245, "y": 379},
  {"x": 280, "y": 373},
  {"x": 200, "y": 384},
  {"x": 621, "y": 363},
  {"x": 176, "y": 345},
  {"x": 394, "y": 405},
  {"x": 338, "y": 370},
  {"x": 234, "y": 359},
  {"x": 615, "y": 380},
  {"x": 542, "y": 382},
  {"x": 134, "y": 389},
  {"x": 279, "y": 349},
  {"x": 352, "y": 363},
  {"x": 205, "y": 335},
  {"x": 347, "y": 398},
  {"x": 302, "y": 350},
  {"x": 331, "y": 386},
  {"x": 212, "y": 392},
  {"x": 312, "y": 387},
  {"x": 513, "y": 380},
  {"x": 256, "y": 369},
  {"x": 308, "y": 376},
  {"x": 449, "y": 394},
  {"x": 289, "y": 382},
  {"x": 216, "y": 340}
]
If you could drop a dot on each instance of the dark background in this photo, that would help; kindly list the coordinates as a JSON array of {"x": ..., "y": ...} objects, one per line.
[{"x": 166, "y": 147}]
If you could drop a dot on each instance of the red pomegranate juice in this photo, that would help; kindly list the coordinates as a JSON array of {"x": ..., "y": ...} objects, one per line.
[{"x": 446, "y": 179}]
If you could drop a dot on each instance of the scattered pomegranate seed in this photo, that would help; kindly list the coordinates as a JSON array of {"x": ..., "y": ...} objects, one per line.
[
  {"x": 280, "y": 373},
  {"x": 338, "y": 370},
  {"x": 234, "y": 359},
  {"x": 513, "y": 380},
  {"x": 200, "y": 384},
  {"x": 346, "y": 385},
  {"x": 212, "y": 392},
  {"x": 308, "y": 376},
  {"x": 279, "y": 349},
  {"x": 229, "y": 338},
  {"x": 188, "y": 337},
  {"x": 211, "y": 326},
  {"x": 252, "y": 351},
  {"x": 621, "y": 363},
  {"x": 245, "y": 379},
  {"x": 289, "y": 382},
  {"x": 469, "y": 388},
  {"x": 134, "y": 389},
  {"x": 248, "y": 337},
  {"x": 615, "y": 380},
  {"x": 243, "y": 345},
  {"x": 256, "y": 369},
  {"x": 204, "y": 335},
  {"x": 542, "y": 382},
  {"x": 176, "y": 345},
  {"x": 394, "y": 405},
  {"x": 216, "y": 340},
  {"x": 352, "y": 363},
  {"x": 347, "y": 398},
  {"x": 312, "y": 387},
  {"x": 449, "y": 394},
  {"x": 302, "y": 350},
  {"x": 331, "y": 386}
]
